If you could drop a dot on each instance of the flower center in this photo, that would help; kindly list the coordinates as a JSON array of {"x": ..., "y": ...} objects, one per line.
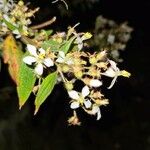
[
  {"x": 81, "y": 100},
  {"x": 41, "y": 56}
]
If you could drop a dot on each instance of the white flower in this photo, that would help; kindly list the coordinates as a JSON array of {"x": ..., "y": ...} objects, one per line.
[
  {"x": 6, "y": 5},
  {"x": 95, "y": 111},
  {"x": 111, "y": 39},
  {"x": 63, "y": 59},
  {"x": 38, "y": 58},
  {"x": 79, "y": 40},
  {"x": 79, "y": 98},
  {"x": 95, "y": 83},
  {"x": 113, "y": 71}
]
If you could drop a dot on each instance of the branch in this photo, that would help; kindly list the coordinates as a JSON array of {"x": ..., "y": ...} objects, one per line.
[{"x": 44, "y": 24}]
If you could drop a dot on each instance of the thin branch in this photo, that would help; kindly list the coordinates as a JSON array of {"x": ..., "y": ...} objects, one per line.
[
  {"x": 44, "y": 24},
  {"x": 62, "y": 1},
  {"x": 27, "y": 40}
]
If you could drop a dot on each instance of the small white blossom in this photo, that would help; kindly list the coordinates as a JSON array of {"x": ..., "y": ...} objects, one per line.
[
  {"x": 79, "y": 98},
  {"x": 111, "y": 39},
  {"x": 95, "y": 83},
  {"x": 95, "y": 111},
  {"x": 6, "y": 5},
  {"x": 79, "y": 40},
  {"x": 63, "y": 59},
  {"x": 113, "y": 71},
  {"x": 39, "y": 58}
]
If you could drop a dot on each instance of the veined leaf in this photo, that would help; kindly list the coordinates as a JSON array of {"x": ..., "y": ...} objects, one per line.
[
  {"x": 45, "y": 90},
  {"x": 53, "y": 45},
  {"x": 48, "y": 32},
  {"x": 12, "y": 55},
  {"x": 9, "y": 25},
  {"x": 65, "y": 47},
  {"x": 26, "y": 83}
]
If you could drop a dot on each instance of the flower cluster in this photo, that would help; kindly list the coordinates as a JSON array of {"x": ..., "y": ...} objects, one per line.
[
  {"x": 17, "y": 20},
  {"x": 109, "y": 35},
  {"x": 78, "y": 65},
  {"x": 6, "y": 5},
  {"x": 51, "y": 59}
]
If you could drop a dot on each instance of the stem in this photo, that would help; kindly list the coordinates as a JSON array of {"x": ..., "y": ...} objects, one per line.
[
  {"x": 63, "y": 2},
  {"x": 44, "y": 24},
  {"x": 61, "y": 74},
  {"x": 27, "y": 40},
  {"x": 39, "y": 82}
]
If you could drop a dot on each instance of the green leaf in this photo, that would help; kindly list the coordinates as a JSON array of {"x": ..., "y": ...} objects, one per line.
[
  {"x": 45, "y": 90},
  {"x": 65, "y": 47},
  {"x": 9, "y": 25},
  {"x": 48, "y": 32},
  {"x": 53, "y": 45},
  {"x": 27, "y": 80}
]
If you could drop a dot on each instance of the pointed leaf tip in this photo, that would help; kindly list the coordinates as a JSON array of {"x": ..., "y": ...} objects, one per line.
[
  {"x": 26, "y": 82},
  {"x": 45, "y": 90}
]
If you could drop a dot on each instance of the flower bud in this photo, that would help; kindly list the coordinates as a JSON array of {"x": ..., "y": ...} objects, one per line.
[
  {"x": 65, "y": 68},
  {"x": 93, "y": 60},
  {"x": 79, "y": 74},
  {"x": 69, "y": 86}
]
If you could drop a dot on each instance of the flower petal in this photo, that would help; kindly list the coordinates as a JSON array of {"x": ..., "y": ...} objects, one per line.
[
  {"x": 110, "y": 73},
  {"x": 96, "y": 110},
  {"x": 61, "y": 54},
  {"x": 87, "y": 103},
  {"x": 111, "y": 39},
  {"x": 61, "y": 57},
  {"x": 69, "y": 61},
  {"x": 29, "y": 60},
  {"x": 99, "y": 115},
  {"x": 73, "y": 94},
  {"x": 80, "y": 46},
  {"x": 32, "y": 50},
  {"x": 112, "y": 82},
  {"x": 74, "y": 105},
  {"x": 48, "y": 62},
  {"x": 85, "y": 91},
  {"x": 42, "y": 51},
  {"x": 39, "y": 69},
  {"x": 95, "y": 83},
  {"x": 113, "y": 65},
  {"x": 60, "y": 60}
]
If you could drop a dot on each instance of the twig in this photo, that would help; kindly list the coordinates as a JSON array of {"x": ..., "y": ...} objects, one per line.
[
  {"x": 44, "y": 24},
  {"x": 62, "y": 1},
  {"x": 27, "y": 40}
]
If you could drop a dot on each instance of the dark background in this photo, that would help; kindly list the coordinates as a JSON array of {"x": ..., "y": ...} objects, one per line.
[{"x": 125, "y": 122}]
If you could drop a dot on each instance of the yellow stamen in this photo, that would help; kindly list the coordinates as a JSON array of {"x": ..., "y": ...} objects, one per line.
[
  {"x": 87, "y": 35},
  {"x": 125, "y": 73}
]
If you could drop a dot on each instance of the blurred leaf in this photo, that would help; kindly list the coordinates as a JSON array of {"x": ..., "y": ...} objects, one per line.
[
  {"x": 12, "y": 56},
  {"x": 53, "y": 45},
  {"x": 48, "y": 32},
  {"x": 9, "y": 25},
  {"x": 26, "y": 83},
  {"x": 65, "y": 48},
  {"x": 45, "y": 90}
]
